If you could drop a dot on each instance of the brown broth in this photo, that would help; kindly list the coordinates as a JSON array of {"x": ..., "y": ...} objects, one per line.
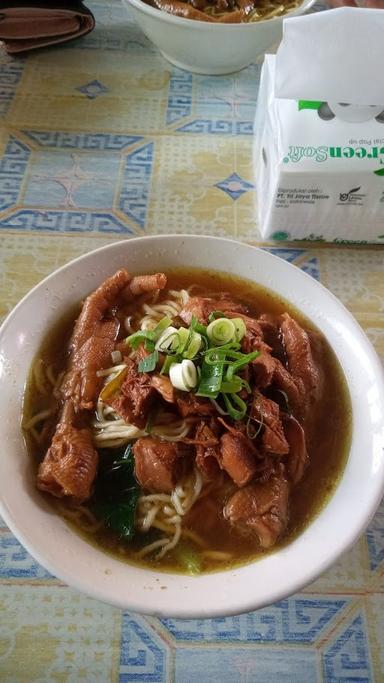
[{"x": 328, "y": 432}]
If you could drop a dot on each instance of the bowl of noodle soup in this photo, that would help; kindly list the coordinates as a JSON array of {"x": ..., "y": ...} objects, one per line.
[
  {"x": 206, "y": 41},
  {"x": 156, "y": 572}
]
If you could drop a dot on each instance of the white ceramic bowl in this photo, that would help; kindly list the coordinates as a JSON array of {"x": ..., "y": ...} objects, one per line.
[
  {"x": 207, "y": 48},
  {"x": 47, "y": 537}
]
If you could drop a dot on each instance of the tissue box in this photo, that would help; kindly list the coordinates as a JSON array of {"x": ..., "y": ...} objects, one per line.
[{"x": 319, "y": 136}]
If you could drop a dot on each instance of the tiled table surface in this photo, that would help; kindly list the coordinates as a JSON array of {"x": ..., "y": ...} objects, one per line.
[{"x": 103, "y": 140}]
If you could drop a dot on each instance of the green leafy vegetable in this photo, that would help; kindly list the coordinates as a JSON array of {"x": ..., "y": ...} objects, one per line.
[
  {"x": 149, "y": 363},
  {"x": 188, "y": 558},
  {"x": 117, "y": 491}
]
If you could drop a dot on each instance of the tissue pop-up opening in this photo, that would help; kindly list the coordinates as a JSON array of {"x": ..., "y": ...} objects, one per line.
[{"x": 333, "y": 56}]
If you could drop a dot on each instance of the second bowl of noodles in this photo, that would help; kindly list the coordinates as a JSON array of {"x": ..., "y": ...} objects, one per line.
[{"x": 214, "y": 38}]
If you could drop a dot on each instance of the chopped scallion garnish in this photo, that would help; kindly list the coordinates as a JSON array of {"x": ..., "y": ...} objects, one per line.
[
  {"x": 240, "y": 363},
  {"x": 235, "y": 406},
  {"x": 215, "y": 314},
  {"x": 221, "y": 331},
  {"x": 210, "y": 380}
]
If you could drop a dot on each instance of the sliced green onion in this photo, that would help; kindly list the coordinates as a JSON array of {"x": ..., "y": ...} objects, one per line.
[
  {"x": 221, "y": 331},
  {"x": 232, "y": 387},
  {"x": 183, "y": 375},
  {"x": 149, "y": 363},
  {"x": 148, "y": 337},
  {"x": 240, "y": 364},
  {"x": 285, "y": 396},
  {"x": 166, "y": 339},
  {"x": 169, "y": 360},
  {"x": 215, "y": 357},
  {"x": 137, "y": 338},
  {"x": 161, "y": 326},
  {"x": 182, "y": 339},
  {"x": 240, "y": 328},
  {"x": 235, "y": 406},
  {"x": 198, "y": 327},
  {"x": 215, "y": 314},
  {"x": 218, "y": 407},
  {"x": 149, "y": 345},
  {"x": 252, "y": 432},
  {"x": 223, "y": 354},
  {"x": 193, "y": 346},
  {"x": 210, "y": 380}
]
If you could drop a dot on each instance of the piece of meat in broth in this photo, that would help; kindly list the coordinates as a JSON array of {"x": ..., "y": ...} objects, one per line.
[
  {"x": 238, "y": 457},
  {"x": 164, "y": 387},
  {"x": 284, "y": 381},
  {"x": 263, "y": 369},
  {"x": 190, "y": 404},
  {"x": 261, "y": 509},
  {"x": 159, "y": 465},
  {"x": 298, "y": 456},
  {"x": 300, "y": 360},
  {"x": 200, "y": 307},
  {"x": 207, "y": 450},
  {"x": 92, "y": 342},
  {"x": 272, "y": 335},
  {"x": 143, "y": 284},
  {"x": 267, "y": 412},
  {"x": 70, "y": 464},
  {"x": 135, "y": 396}
]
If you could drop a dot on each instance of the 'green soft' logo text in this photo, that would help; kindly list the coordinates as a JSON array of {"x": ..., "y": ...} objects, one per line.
[{"x": 322, "y": 153}]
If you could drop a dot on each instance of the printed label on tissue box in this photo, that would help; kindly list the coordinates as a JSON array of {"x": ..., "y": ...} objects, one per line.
[{"x": 319, "y": 163}]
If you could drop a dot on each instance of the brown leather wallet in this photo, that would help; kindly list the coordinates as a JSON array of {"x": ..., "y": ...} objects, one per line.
[{"x": 27, "y": 25}]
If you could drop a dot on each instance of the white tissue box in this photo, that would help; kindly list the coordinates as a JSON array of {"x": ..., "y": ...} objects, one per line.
[{"x": 319, "y": 162}]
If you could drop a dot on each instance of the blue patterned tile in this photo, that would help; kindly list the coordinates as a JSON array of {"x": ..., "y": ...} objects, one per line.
[
  {"x": 306, "y": 262},
  {"x": 65, "y": 221},
  {"x": 69, "y": 186},
  {"x": 234, "y": 186},
  {"x": 11, "y": 71},
  {"x": 13, "y": 164},
  {"x": 179, "y": 96},
  {"x": 66, "y": 179},
  {"x": 143, "y": 655},
  {"x": 296, "y": 620},
  {"x": 84, "y": 141},
  {"x": 287, "y": 254},
  {"x": 16, "y": 563},
  {"x": 245, "y": 665},
  {"x": 93, "y": 89},
  {"x": 217, "y": 127},
  {"x": 137, "y": 179},
  {"x": 375, "y": 539},
  {"x": 230, "y": 97},
  {"x": 347, "y": 660}
]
